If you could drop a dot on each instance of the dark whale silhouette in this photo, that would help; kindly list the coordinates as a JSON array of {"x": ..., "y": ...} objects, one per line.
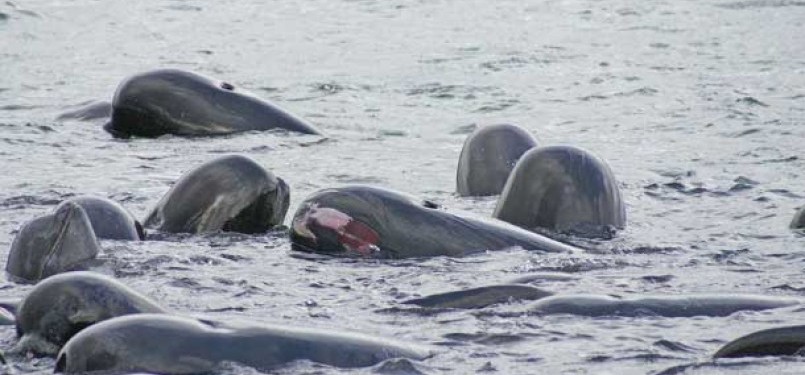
[
  {"x": 779, "y": 341},
  {"x": 109, "y": 219},
  {"x": 488, "y": 157},
  {"x": 172, "y": 101},
  {"x": 58, "y": 242},
  {"x": 374, "y": 222},
  {"x": 62, "y": 305},
  {"x": 166, "y": 344},
  {"x": 548, "y": 303},
  {"x": 562, "y": 189},
  {"x": 230, "y": 193}
]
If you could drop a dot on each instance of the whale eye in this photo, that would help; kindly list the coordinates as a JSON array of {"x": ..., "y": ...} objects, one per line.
[{"x": 227, "y": 86}]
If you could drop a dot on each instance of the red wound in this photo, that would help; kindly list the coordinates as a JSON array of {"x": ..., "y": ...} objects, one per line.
[{"x": 358, "y": 237}]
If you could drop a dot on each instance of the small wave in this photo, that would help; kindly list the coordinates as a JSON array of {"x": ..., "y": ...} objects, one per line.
[
  {"x": 484, "y": 338},
  {"x": 543, "y": 277},
  {"x": 439, "y": 60},
  {"x": 498, "y": 106},
  {"x": 192, "y": 284},
  {"x": 440, "y": 91},
  {"x": 761, "y": 4},
  {"x": 784, "y": 193},
  {"x": 786, "y": 365},
  {"x": 750, "y": 101},
  {"x": 660, "y": 190},
  {"x": 643, "y": 357},
  {"x": 643, "y": 91},
  {"x": 789, "y": 288},
  {"x": 17, "y": 10},
  {"x": 464, "y": 129},
  {"x": 48, "y": 198},
  {"x": 728, "y": 256},
  {"x": 416, "y": 310},
  {"x": 511, "y": 62},
  {"x": 18, "y": 107},
  {"x": 350, "y": 179},
  {"x": 226, "y": 309},
  {"x": 184, "y": 7},
  {"x": 399, "y": 366},
  {"x": 202, "y": 260},
  {"x": 328, "y": 88},
  {"x": 575, "y": 265},
  {"x": 674, "y": 346},
  {"x": 654, "y": 28},
  {"x": 520, "y": 59},
  {"x": 656, "y": 279},
  {"x": 593, "y": 97},
  {"x": 665, "y": 68},
  {"x": 235, "y": 257}
]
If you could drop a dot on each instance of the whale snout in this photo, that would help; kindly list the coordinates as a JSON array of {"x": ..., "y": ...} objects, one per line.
[{"x": 329, "y": 228}]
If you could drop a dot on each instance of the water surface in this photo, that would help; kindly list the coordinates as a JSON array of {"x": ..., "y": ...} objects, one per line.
[{"x": 698, "y": 106}]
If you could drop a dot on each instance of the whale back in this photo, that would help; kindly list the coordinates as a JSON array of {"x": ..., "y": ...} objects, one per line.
[
  {"x": 172, "y": 101},
  {"x": 231, "y": 193},
  {"x": 562, "y": 189},
  {"x": 374, "y": 222},
  {"x": 488, "y": 156}
]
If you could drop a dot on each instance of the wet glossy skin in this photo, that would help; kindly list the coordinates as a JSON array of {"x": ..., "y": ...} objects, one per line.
[
  {"x": 51, "y": 244},
  {"x": 373, "y": 222},
  {"x": 563, "y": 189},
  {"x": 488, "y": 157},
  {"x": 109, "y": 219},
  {"x": 170, "y": 344},
  {"x": 230, "y": 193},
  {"x": 170, "y": 101},
  {"x": 62, "y": 305},
  {"x": 770, "y": 342}
]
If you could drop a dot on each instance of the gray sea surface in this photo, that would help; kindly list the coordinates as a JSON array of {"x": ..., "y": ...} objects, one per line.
[{"x": 698, "y": 106}]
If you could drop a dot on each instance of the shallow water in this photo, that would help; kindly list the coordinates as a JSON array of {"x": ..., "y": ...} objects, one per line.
[{"x": 698, "y": 107}]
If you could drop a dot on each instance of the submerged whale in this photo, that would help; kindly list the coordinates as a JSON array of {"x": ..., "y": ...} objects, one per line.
[
  {"x": 165, "y": 344},
  {"x": 781, "y": 341},
  {"x": 476, "y": 298},
  {"x": 230, "y": 193},
  {"x": 368, "y": 221},
  {"x": 172, "y": 101},
  {"x": 88, "y": 111},
  {"x": 666, "y": 306},
  {"x": 62, "y": 305},
  {"x": 548, "y": 303},
  {"x": 562, "y": 189},
  {"x": 58, "y": 242},
  {"x": 488, "y": 157}
]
